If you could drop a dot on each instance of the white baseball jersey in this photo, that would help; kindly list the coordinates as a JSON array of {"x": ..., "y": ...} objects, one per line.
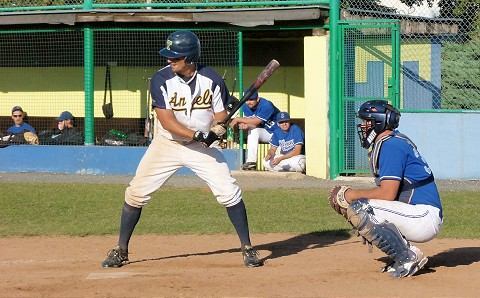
[{"x": 193, "y": 102}]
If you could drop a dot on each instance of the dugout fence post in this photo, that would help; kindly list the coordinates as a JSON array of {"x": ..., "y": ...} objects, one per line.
[
  {"x": 334, "y": 85},
  {"x": 240, "y": 87},
  {"x": 89, "y": 76}
]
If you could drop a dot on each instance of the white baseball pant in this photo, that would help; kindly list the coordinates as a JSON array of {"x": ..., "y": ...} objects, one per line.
[
  {"x": 164, "y": 157},
  {"x": 293, "y": 164},
  {"x": 255, "y": 136},
  {"x": 418, "y": 223}
]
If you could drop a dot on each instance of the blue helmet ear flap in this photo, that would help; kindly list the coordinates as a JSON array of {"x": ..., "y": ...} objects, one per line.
[{"x": 392, "y": 117}]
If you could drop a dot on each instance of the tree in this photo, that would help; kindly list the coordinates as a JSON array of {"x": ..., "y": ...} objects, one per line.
[{"x": 461, "y": 73}]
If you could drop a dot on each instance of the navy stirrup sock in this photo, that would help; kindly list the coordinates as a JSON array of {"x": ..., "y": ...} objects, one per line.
[
  {"x": 238, "y": 217},
  {"x": 128, "y": 221}
]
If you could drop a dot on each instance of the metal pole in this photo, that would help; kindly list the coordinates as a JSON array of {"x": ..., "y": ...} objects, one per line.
[
  {"x": 240, "y": 81},
  {"x": 87, "y": 4},
  {"x": 398, "y": 63},
  {"x": 88, "y": 77},
  {"x": 334, "y": 89}
]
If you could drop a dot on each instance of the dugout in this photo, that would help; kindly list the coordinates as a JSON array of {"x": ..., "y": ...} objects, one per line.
[{"x": 56, "y": 58}]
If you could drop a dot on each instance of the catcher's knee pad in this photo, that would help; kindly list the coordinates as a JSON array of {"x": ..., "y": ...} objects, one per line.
[{"x": 384, "y": 235}]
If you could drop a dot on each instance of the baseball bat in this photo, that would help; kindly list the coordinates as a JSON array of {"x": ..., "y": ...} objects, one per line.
[{"x": 259, "y": 81}]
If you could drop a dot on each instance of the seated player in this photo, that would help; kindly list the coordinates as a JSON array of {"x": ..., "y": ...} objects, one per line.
[{"x": 290, "y": 140}]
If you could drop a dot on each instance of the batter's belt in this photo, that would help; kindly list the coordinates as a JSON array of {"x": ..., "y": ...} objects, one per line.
[{"x": 184, "y": 143}]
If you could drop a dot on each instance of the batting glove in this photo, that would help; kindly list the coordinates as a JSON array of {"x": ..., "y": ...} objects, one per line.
[{"x": 206, "y": 139}]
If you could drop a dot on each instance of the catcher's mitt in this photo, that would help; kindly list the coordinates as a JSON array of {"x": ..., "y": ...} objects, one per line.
[
  {"x": 30, "y": 138},
  {"x": 337, "y": 199}
]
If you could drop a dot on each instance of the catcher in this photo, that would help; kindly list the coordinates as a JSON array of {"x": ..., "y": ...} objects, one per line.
[{"x": 405, "y": 205}]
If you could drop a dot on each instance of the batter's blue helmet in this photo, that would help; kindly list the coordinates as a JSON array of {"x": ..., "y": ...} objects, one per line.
[
  {"x": 182, "y": 43},
  {"x": 382, "y": 116}
]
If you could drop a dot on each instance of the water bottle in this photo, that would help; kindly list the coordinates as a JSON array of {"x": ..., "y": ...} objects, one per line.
[
  {"x": 230, "y": 138},
  {"x": 119, "y": 134}
]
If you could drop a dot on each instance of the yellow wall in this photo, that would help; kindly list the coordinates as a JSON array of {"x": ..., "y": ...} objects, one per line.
[
  {"x": 316, "y": 105},
  {"x": 48, "y": 91},
  {"x": 284, "y": 88}
]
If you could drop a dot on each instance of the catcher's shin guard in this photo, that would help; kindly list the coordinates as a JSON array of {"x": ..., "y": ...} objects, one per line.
[{"x": 383, "y": 235}]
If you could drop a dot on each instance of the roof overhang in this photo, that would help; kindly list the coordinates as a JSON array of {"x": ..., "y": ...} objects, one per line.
[{"x": 245, "y": 17}]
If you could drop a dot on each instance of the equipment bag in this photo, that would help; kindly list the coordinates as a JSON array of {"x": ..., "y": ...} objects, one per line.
[{"x": 107, "y": 108}]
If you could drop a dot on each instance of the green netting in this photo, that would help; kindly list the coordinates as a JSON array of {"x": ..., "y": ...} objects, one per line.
[
  {"x": 43, "y": 72},
  {"x": 439, "y": 62},
  {"x": 132, "y": 57},
  {"x": 368, "y": 53},
  {"x": 440, "y": 65}
]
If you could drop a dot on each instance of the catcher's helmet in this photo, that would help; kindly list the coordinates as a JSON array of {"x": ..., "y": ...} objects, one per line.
[
  {"x": 380, "y": 116},
  {"x": 182, "y": 43}
]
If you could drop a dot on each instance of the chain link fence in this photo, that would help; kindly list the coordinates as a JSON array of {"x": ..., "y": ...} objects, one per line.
[
  {"x": 42, "y": 71},
  {"x": 440, "y": 46}
]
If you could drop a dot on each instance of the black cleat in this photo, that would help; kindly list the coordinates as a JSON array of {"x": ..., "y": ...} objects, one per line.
[
  {"x": 116, "y": 257},
  {"x": 250, "y": 257},
  {"x": 249, "y": 166}
]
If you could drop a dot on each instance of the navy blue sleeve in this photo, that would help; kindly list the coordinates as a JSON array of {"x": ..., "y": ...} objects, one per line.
[
  {"x": 158, "y": 87},
  {"x": 217, "y": 82}
]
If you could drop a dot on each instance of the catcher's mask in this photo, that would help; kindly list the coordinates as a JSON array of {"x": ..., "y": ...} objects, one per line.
[
  {"x": 377, "y": 116},
  {"x": 182, "y": 43}
]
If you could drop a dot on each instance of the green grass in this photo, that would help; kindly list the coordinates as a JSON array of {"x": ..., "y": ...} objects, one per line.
[{"x": 94, "y": 209}]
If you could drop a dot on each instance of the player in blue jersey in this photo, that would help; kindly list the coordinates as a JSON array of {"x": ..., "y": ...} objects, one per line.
[
  {"x": 187, "y": 98},
  {"x": 259, "y": 119},
  {"x": 20, "y": 132},
  {"x": 290, "y": 139},
  {"x": 405, "y": 205},
  {"x": 19, "y": 125}
]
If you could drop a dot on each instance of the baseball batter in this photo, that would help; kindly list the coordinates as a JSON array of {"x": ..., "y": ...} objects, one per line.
[
  {"x": 188, "y": 98},
  {"x": 405, "y": 206},
  {"x": 289, "y": 139}
]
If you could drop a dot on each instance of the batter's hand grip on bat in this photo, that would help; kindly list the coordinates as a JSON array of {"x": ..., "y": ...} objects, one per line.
[{"x": 260, "y": 80}]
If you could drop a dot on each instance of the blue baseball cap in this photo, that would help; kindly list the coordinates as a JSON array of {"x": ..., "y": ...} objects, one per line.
[
  {"x": 283, "y": 116},
  {"x": 254, "y": 94},
  {"x": 66, "y": 115}
]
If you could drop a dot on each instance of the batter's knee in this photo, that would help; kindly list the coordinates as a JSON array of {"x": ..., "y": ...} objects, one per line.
[
  {"x": 135, "y": 199},
  {"x": 232, "y": 198}
]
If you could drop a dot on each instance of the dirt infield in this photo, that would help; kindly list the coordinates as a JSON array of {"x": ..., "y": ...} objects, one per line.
[{"x": 312, "y": 265}]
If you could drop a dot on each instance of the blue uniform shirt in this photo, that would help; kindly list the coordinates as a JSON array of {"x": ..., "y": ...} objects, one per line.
[
  {"x": 265, "y": 111},
  {"x": 287, "y": 140},
  {"x": 399, "y": 160},
  {"x": 20, "y": 129}
]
